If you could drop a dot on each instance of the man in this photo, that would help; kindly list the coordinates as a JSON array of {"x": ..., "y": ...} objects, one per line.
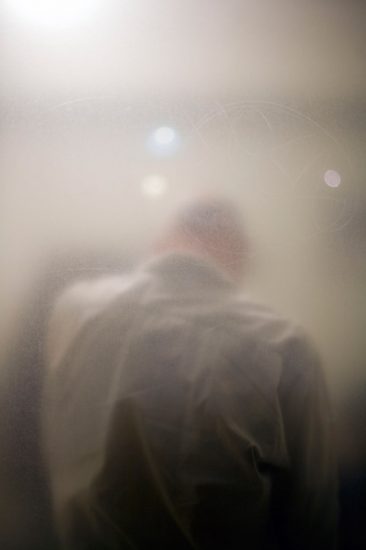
[{"x": 182, "y": 415}]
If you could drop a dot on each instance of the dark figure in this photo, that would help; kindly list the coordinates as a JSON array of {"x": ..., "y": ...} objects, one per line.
[{"x": 181, "y": 415}]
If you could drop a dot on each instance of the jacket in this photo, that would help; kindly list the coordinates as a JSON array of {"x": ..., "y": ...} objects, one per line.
[{"x": 183, "y": 415}]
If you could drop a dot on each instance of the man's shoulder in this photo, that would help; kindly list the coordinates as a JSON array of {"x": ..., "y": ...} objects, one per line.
[
  {"x": 283, "y": 334},
  {"x": 264, "y": 319}
]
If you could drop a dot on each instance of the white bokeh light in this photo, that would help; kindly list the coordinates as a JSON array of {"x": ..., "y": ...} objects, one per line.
[
  {"x": 332, "y": 178},
  {"x": 54, "y": 13},
  {"x": 163, "y": 141},
  {"x": 164, "y": 135},
  {"x": 154, "y": 185}
]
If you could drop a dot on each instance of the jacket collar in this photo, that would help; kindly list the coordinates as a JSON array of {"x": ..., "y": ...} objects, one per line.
[{"x": 186, "y": 271}]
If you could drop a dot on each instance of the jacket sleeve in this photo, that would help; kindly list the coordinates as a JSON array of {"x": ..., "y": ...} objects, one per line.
[{"x": 305, "y": 496}]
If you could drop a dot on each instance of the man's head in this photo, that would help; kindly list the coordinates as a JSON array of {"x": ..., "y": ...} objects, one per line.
[{"x": 211, "y": 228}]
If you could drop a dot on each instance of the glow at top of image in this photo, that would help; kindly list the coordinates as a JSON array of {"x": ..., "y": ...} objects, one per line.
[
  {"x": 54, "y": 13},
  {"x": 332, "y": 178}
]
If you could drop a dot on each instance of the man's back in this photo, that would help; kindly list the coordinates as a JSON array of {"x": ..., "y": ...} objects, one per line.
[{"x": 183, "y": 416}]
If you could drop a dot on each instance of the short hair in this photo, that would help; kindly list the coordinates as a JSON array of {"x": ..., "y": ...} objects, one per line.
[{"x": 212, "y": 220}]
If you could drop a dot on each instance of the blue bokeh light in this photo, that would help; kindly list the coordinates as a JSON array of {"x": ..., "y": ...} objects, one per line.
[{"x": 164, "y": 141}]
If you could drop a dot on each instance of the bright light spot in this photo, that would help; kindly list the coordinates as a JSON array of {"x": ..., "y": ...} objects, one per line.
[
  {"x": 164, "y": 141},
  {"x": 54, "y": 13},
  {"x": 332, "y": 178},
  {"x": 154, "y": 185},
  {"x": 164, "y": 135}
]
